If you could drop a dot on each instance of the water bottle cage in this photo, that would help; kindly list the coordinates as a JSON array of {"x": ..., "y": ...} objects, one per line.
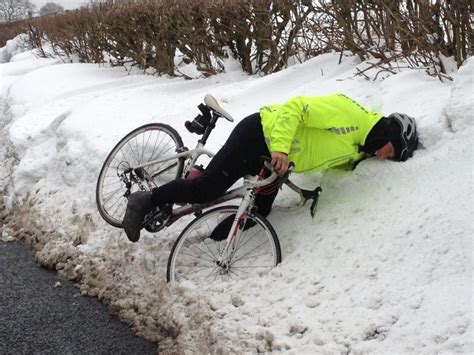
[{"x": 200, "y": 122}]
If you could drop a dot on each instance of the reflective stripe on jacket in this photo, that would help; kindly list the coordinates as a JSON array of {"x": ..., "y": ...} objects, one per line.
[{"x": 319, "y": 132}]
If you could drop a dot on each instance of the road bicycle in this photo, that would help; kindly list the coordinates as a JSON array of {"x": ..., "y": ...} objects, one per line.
[{"x": 226, "y": 242}]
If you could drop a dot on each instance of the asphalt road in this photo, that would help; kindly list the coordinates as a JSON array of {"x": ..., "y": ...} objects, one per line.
[{"x": 38, "y": 318}]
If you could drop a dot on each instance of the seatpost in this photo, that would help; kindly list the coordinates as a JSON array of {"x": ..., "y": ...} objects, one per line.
[{"x": 209, "y": 128}]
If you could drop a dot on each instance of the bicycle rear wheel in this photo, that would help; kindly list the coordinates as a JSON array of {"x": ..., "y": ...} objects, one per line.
[
  {"x": 118, "y": 178},
  {"x": 194, "y": 256}
]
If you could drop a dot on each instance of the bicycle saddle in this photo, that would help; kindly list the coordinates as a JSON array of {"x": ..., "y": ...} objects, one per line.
[{"x": 212, "y": 103}]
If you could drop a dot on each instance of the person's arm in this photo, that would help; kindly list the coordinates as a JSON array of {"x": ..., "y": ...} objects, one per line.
[{"x": 290, "y": 116}]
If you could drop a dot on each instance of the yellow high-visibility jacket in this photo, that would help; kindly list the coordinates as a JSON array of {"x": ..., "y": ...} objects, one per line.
[{"x": 318, "y": 132}]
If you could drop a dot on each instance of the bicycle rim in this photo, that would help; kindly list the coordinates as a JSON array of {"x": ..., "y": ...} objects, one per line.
[
  {"x": 194, "y": 255},
  {"x": 142, "y": 145}
]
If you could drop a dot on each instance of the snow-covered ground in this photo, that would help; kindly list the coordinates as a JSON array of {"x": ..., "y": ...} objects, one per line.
[{"x": 384, "y": 267}]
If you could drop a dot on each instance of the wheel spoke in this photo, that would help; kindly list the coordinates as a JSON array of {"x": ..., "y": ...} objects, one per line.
[
  {"x": 251, "y": 267},
  {"x": 233, "y": 270},
  {"x": 163, "y": 170},
  {"x": 197, "y": 257},
  {"x": 130, "y": 148},
  {"x": 251, "y": 250},
  {"x": 210, "y": 251},
  {"x": 120, "y": 204},
  {"x": 245, "y": 239},
  {"x": 248, "y": 257},
  {"x": 112, "y": 194},
  {"x": 203, "y": 251},
  {"x": 115, "y": 182},
  {"x": 199, "y": 268}
]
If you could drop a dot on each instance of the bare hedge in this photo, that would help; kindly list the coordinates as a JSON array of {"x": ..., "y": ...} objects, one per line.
[
  {"x": 264, "y": 35},
  {"x": 10, "y": 30}
]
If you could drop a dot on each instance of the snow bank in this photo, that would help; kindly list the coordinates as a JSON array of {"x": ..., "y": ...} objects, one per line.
[
  {"x": 459, "y": 110},
  {"x": 12, "y": 47},
  {"x": 385, "y": 266}
]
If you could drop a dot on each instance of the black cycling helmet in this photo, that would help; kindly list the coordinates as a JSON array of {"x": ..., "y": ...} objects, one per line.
[{"x": 405, "y": 137}]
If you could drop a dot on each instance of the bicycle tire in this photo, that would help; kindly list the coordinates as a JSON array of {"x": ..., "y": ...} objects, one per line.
[
  {"x": 194, "y": 255},
  {"x": 143, "y": 144}
]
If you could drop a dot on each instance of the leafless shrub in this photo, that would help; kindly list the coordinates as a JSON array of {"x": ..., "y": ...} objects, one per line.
[
  {"x": 10, "y": 30},
  {"x": 264, "y": 35},
  {"x": 415, "y": 31}
]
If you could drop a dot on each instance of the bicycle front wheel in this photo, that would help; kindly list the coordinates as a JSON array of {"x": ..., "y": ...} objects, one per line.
[
  {"x": 119, "y": 176},
  {"x": 195, "y": 256}
]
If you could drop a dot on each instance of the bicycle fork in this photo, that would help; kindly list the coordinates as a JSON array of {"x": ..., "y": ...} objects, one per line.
[{"x": 236, "y": 229}]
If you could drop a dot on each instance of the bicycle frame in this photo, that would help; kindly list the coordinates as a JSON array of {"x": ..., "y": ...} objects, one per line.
[
  {"x": 193, "y": 154},
  {"x": 233, "y": 194}
]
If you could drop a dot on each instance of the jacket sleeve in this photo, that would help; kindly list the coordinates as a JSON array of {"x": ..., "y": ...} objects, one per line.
[{"x": 291, "y": 114}]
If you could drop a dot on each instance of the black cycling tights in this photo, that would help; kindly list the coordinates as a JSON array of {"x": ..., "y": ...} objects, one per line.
[{"x": 240, "y": 155}]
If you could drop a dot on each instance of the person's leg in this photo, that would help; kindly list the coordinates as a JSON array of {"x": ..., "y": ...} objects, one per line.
[
  {"x": 239, "y": 156},
  {"x": 254, "y": 148},
  {"x": 264, "y": 203}
]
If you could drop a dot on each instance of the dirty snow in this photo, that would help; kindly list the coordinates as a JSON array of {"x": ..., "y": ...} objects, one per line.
[{"x": 385, "y": 266}]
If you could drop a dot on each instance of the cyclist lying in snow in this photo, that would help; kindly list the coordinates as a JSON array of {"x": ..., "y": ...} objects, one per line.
[{"x": 316, "y": 133}]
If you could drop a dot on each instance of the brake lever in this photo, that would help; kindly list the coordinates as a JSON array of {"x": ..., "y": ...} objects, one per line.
[
  {"x": 304, "y": 194},
  {"x": 307, "y": 195},
  {"x": 285, "y": 178},
  {"x": 315, "y": 197}
]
